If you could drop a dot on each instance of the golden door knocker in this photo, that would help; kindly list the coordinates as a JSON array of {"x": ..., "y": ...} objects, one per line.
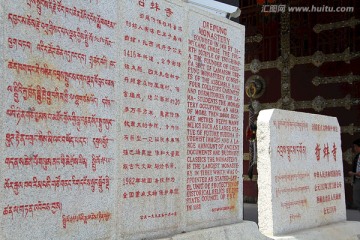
[
  {"x": 254, "y": 87},
  {"x": 251, "y": 90}
]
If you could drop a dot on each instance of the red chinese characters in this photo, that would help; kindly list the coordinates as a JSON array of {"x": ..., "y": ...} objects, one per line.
[
  {"x": 324, "y": 128},
  {"x": 154, "y": 44},
  {"x": 323, "y": 151},
  {"x": 151, "y": 96},
  {"x": 151, "y": 139},
  {"x": 148, "y": 166},
  {"x": 151, "y": 193},
  {"x": 154, "y": 5},
  {"x": 158, "y": 215},
  {"x": 149, "y": 84},
  {"x": 153, "y": 31}
]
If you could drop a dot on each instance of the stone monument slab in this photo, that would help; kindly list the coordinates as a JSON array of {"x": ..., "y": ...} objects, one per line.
[
  {"x": 214, "y": 121},
  {"x": 120, "y": 119},
  {"x": 59, "y": 71},
  {"x": 300, "y": 171}
]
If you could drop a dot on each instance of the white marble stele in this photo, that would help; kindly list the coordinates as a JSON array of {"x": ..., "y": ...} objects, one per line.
[
  {"x": 120, "y": 119},
  {"x": 300, "y": 177}
]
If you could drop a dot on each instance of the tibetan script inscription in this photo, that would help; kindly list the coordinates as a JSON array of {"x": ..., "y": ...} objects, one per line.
[{"x": 58, "y": 93}]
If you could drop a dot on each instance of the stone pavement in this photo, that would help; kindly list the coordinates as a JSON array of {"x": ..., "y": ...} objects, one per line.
[{"x": 251, "y": 214}]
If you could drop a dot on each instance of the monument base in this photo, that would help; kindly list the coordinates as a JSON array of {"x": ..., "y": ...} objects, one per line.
[
  {"x": 347, "y": 230},
  {"x": 244, "y": 230}
]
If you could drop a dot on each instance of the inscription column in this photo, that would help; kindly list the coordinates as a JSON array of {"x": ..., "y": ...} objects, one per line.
[
  {"x": 214, "y": 120},
  {"x": 152, "y": 117}
]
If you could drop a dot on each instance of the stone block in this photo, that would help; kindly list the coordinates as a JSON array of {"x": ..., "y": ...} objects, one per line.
[{"x": 300, "y": 171}]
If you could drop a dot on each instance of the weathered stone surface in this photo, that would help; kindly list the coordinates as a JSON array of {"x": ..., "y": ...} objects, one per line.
[
  {"x": 59, "y": 117},
  {"x": 245, "y": 230},
  {"x": 119, "y": 119},
  {"x": 347, "y": 230},
  {"x": 300, "y": 170}
]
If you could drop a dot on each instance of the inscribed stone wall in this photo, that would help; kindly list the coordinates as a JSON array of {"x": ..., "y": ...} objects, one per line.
[
  {"x": 301, "y": 181},
  {"x": 119, "y": 119}
]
